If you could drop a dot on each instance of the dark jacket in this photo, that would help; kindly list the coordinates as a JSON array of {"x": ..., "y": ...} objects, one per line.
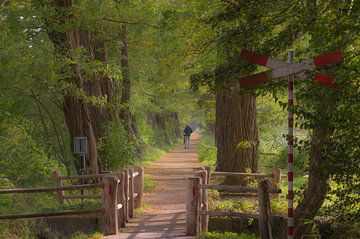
[{"x": 188, "y": 130}]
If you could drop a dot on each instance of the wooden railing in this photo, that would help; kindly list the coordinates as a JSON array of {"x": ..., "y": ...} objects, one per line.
[
  {"x": 122, "y": 191},
  {"x": 197, "y": 208}
]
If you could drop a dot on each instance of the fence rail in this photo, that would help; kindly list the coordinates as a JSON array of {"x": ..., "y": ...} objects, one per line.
[
  {"x": 122, "y": 191},
  {"x": 197, "y": 217}
]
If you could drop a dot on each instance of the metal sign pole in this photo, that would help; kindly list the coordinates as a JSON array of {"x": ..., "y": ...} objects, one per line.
[
  {"x": 80, "y": 147},
  {"x": 290, "y": 151},
  {"x": 82, "y": 171}
]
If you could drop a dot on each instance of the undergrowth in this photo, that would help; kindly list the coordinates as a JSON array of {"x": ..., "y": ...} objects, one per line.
[{"x": 227, "y": 235}]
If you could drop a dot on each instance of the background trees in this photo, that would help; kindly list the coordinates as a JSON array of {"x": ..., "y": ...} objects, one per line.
[{"x": 118, "y": 72}]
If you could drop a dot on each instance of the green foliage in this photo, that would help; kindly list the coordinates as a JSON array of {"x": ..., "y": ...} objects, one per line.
[
  {"x": 207, "y": 150},
  {"x": 81, "y": 235},
  {"x": 22, "y": 161},
  {"x": 118, "y": 149},
  {"x": 149, "y": 184},
  {"x": 227, "y": 235}
]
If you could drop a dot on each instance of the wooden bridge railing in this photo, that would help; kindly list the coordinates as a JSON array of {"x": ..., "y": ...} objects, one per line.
[
  {"x": 122, "y": 191},
  {"x": 197, "y": 207}
]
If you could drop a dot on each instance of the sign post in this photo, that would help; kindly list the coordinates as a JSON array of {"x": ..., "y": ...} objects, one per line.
[
  {"x": 80, "y": 147},
  {"x": 290, "y": 69},
  {"x": 290, "y": 196}
]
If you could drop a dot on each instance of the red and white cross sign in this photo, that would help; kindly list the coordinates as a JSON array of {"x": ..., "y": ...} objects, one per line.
[{"x": 281, "y": 69}]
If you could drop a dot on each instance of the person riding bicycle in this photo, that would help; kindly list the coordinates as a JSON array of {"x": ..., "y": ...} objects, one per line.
[{"x": 187, "y": 133}]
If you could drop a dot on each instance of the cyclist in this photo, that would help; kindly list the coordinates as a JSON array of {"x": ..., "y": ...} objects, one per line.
[{"x": 187, "y": 133}]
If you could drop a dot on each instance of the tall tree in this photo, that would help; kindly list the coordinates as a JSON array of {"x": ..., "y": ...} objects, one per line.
[{"x": 82, "y": 118}]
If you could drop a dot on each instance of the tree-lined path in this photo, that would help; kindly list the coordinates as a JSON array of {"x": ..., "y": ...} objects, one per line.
[{"x": 166, "y": 215}]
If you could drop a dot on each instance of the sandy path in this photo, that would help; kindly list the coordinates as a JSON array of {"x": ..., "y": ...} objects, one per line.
[{"x": 166, "y": 217}]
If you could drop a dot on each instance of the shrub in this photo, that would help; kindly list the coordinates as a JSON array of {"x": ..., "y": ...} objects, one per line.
[{"x": 119, "y": 150}]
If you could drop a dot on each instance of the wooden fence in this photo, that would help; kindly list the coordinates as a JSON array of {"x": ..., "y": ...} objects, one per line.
[
  {"x": 122, "y": 191},
  {"x": 197, "y": 207}
]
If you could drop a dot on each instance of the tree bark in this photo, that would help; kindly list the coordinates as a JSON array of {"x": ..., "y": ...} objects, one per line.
[{"x": 236, "y": 123}]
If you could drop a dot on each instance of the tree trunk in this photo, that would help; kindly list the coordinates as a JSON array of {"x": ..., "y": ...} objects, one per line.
[
  {"x": 161, "y": 125},
  {"x": 126, "y": 116},
  {"x": 83, "y": 119},
  {"x": 236, "y": 123}
]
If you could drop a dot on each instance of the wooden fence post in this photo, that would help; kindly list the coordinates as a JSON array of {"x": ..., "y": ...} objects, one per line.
[
  {"x": 126, "y": 185},
  {"x": 121, "y": 199},
  {"x": 109, "y": 204},
  {"x": 264, "y": 210},
  {"x": 192, "y": 205},
  {"x": 203, "y": 219},
  {"x": 139, "y": 187},
  {"x": 277, "y": 177},
  {"x": 131, "y": 193},
  {"x": 208, "y": 169},
  {"x": 58, "y": 183}
]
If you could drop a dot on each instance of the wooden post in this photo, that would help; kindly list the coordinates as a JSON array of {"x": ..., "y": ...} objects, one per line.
[
  {"x": 58, "y": 183},
  {"x": 203, "y": 219},
  {"x": 277, "y": 177},
  {"x": 208, "y": 169},
  {"x": 139, "y": 187},
  {"x": 131, "y": 193},
  {"x": 109, "y": 204},
  {"x": 276, "y": 181},
  {"x": 192, "y": 205},
  {"x": 126, "y": 194},
  {"x": 264, "y": 210},
  {"x": 121, "y": 199}
]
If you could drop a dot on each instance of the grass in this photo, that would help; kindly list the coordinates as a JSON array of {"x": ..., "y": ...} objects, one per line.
[
  {"x": 154, "y": 153},
  {"x": 149, "y": 184},
  {"x": 299, "y": 183},
  {"x": 145, "y": 208},
  {"x": 227, "y": 235},
  {"x": 81, "y": 235}
]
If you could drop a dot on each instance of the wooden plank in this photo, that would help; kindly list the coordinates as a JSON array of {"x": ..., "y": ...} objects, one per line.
[
  {"x": 82, "y": 197},
  {"x": 98, "y": 211},
  {"x": 86, "y": 176},
  {"x": 228, "y": 188},
  {"x": 229, "y": 214},
  {"x": 235, "y": 189},
  {"x": 264, "y": 210},
  {"x": 50, "y": 189},
  {"x": 135, "y": 174},
  {"x": 256, "y": 175}
]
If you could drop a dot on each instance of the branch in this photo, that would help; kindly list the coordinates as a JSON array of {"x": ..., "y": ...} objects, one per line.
[{"x": 127, "y": 22}]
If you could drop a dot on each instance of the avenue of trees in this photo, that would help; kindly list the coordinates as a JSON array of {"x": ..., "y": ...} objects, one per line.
[{"x": 128, "y": 74}]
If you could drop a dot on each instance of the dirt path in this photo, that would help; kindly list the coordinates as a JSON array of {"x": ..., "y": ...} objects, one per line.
[{"x": 165, "y": 216}]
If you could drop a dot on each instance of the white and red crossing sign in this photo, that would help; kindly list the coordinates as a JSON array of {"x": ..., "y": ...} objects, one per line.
[{"x": 281, "y": 69}]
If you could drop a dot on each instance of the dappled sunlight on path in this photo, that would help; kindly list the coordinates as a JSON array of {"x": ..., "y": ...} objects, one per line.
[{"x": 165, "y": 211}]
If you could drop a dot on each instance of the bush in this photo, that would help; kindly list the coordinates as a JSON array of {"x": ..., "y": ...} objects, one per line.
[
  {"x": 207, "y": 151},
  {"x": 120, "y": 151},
  {"x": 22, "y": 160}
]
